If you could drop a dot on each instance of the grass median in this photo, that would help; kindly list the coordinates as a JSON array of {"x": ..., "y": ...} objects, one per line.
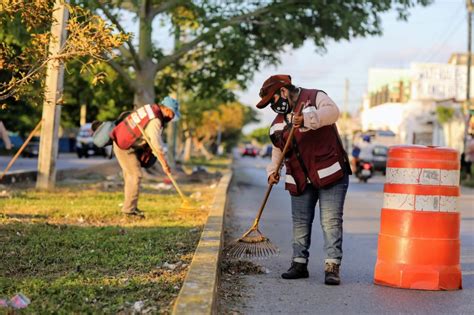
[{"x": 71, "y": 250}]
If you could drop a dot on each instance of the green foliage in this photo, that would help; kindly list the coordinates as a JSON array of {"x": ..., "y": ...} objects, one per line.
[
  {"x": 445, "y": 114},
  {"x": 24, "y": 56},
  {"x": 217, "y": 42},
  {"x": 260, "y": 134},
  {"x": 104, "y": 101}
]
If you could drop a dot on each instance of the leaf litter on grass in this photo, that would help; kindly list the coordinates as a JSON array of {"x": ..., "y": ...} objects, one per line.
[{"x": 72, "y": 250}]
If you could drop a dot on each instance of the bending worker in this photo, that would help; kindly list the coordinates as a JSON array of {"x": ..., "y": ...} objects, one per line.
[
  {"x": 133, "y": 152},
  {"x": 317, "y": 169}
]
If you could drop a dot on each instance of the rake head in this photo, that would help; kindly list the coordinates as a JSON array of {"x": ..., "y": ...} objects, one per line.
[
  {"x": 253, "y": 244},
  {"x": 186, "y": 204}
]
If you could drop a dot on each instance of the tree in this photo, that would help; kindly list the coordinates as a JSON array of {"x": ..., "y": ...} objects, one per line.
[
  {"x": 24, "y": 54},
  {"x": 222, "y": 41},
  {"x": 445, "y": 116},
  {"x": 260, "y": 135}
]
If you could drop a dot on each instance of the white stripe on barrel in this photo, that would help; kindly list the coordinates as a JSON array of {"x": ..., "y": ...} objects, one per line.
[
  {"x": 422, "y": 176},
  {"x": 420, "y": 202}
]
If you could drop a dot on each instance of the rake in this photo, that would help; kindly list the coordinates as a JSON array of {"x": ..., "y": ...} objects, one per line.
[
  {"x": 253, "y": 243},
  {"x": 186, "y": 204}
]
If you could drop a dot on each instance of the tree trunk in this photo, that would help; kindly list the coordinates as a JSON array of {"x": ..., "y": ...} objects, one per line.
[
  {"x": 145, "y": 89},
  {"x": 145, "y": 75},
  {"x": 201, "y": 148}
]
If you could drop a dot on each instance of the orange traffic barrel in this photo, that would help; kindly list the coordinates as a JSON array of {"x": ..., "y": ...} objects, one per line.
[{"x": 418, "y": 244}]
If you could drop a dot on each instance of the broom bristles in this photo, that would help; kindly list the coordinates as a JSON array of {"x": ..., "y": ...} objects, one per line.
[{"x": 251, "y": 246}]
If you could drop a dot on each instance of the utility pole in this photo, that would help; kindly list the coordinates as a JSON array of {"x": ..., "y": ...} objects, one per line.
[
  {"x": 469, "y": 108},
  {"x": 345, "y": 131},
  {"x": 346, "y": 98},
  {"x": 469, "y": 5},
  {"x": 53, "y": 92}
]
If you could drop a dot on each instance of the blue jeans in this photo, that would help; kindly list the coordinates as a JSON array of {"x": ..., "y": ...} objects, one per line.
[{"x": 331, "y": 204}]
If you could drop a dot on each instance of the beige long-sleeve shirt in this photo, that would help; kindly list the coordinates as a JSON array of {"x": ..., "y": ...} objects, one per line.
[
  {"x": 325, "y": 114},
  {"x": 153, "y": 131}
]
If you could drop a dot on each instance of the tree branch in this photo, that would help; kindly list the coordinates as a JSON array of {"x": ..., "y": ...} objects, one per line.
[
  {"x": 185, "y": 48},
  {"x": 131, "y": 48},
  {"x": 120, "y": 70},
  {"x": 166, "y": 5}
]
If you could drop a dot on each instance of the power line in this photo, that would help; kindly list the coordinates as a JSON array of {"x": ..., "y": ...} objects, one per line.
[
  {"x": 425, "y": 53},
  {"x": 453, "y": 32}
]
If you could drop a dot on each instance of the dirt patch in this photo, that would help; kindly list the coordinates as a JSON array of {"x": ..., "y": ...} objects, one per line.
[
  {"x": 241, "y": 267},
  {"x": 232, "y": 290}
]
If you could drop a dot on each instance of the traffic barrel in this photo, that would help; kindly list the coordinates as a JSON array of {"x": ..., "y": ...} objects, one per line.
[{"x": 418, "y": 243}]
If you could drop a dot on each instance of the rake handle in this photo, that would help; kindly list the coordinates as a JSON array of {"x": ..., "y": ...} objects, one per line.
[
  {"x": 280, "y": 164},
  {"x": 155, "y": 152}
]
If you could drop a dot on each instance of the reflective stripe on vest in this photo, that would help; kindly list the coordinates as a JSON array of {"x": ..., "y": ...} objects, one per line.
[{"x": 127, "y": 132}]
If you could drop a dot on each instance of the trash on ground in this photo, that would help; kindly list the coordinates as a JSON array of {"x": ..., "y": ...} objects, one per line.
[
  {"x": 162, "y": 186},
  {"x": 172, "y": 267},
  {"x": 242, "y": 267},
  {"x": 200, "y": 169},
  {"x": 19, "y": 301},
  {"x": 5, "y": 194},
  {"x": 196, "y": 195},
  {"x": 3, "y": 302},
  {"x": 138, "y": 306}
]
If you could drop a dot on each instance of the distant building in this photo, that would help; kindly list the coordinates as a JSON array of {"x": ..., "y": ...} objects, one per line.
[
  {"x": 413, "y": 102},
  {"x": 387, "y": 86},
  {"x": 436, "y": 81},
  {"x": 460, "y": 59},
  {"x": 417, "y": 122}
]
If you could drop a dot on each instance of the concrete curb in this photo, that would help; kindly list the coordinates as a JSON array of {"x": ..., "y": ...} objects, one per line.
[
  {"x": 30, "y": 176},
  {"x": 199, "y": 292}
]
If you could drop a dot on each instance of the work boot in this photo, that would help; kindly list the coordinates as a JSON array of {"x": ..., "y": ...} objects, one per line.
[
  {"x": 136, "y": 213},
  {"x": 331, "y": 274},
  {"x": 296, "y": 271}
]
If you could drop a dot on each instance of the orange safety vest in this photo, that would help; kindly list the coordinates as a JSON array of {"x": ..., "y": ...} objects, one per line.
[{"x": 126, "y": 133}]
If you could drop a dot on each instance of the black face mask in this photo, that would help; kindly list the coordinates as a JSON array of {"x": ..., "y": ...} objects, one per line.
[{"x": 282, "y": 106}]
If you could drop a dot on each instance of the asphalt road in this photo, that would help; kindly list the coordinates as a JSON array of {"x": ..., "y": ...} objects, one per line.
[
  {"x": 64, "y": 161},
  {"x": 269, "y": 294}
]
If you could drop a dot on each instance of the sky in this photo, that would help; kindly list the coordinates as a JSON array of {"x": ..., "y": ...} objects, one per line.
[{"x": 431, "y": 34}]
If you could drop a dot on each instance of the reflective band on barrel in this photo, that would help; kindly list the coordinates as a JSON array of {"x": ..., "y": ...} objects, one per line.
[
  {"x": 422, "y": 176},
  {"x": 420, "y": 202}
]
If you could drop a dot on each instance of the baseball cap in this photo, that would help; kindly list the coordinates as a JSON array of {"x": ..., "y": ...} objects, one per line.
[{"x": 270, "y": 86}]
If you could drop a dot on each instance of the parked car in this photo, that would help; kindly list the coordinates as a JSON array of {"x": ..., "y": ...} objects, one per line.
[
  {"x": 379, "y": 153},
  {"x": 250, "y": 150},
  {"x": 32, "y": 148},
  {"x": 85, "y": 146}
]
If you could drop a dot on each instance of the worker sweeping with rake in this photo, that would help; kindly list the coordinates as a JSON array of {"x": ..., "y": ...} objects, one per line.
[
  {"x": 305, "y": 136},
  {"x": 137, "y": 143}
]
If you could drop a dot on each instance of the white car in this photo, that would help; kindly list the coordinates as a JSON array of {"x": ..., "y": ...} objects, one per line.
[{"x": 85, "y": 146}]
